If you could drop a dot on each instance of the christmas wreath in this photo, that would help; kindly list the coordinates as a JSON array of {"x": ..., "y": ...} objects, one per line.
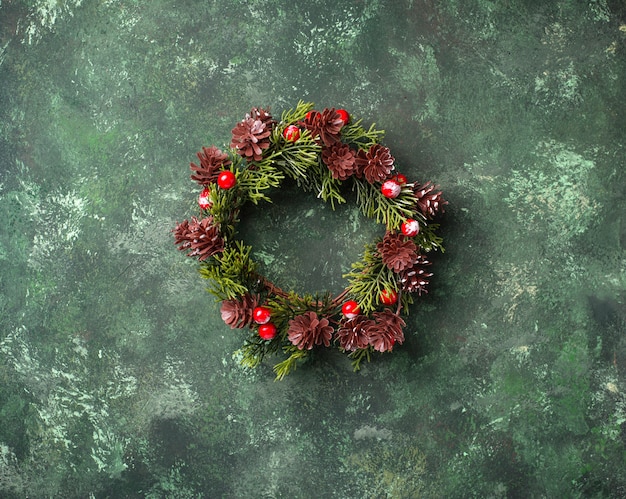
[{"x": 322, "y": 151}]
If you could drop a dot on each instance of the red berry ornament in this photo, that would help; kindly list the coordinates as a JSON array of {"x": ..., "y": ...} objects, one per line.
[
  {"x": 343, "y": 114},
  {"x": 267, "y": 331},
  {"x": 410, "y": 227},
  {"x": 291, "y": 133},
  {"x": 261, "y": 315},
  {"x": 388, "y": 297},
  {"x": 350, "y": 309},
  {"x": 226, "y": 179},
  {"x": 203, "y": 199},
  {"x": 400, "y": 178},
  {"x": 391, "y": 189}
]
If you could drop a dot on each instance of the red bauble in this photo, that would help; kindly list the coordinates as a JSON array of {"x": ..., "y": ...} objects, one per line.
[
  {"x": 267, "y": 331},
  {"x": 388, "y": 297},
  {"x": 410, "y": 227},
  {"x": 291, "y": 133},
  {"x": 391, "y": 189},
  {"x": 261, "y": 315},
  {"x": 400, "y": 178},
  {"x": 350, "y": 309},
  {"x": 226, "y": 179},
  {"x": 203, "y": 200},
  {"x": 343, "y": 114}
]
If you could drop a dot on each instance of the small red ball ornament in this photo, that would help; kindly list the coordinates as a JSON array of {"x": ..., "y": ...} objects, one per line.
[
  {"x": 267, "y": 331},
  {"x": 388, "y": 297},
  {"x": 291, "y": 133},
  {"x": 261, "y": 315},
  {"x": 343, "y": 114},
  {"x": 226, "y": 179},
  {"x": 400, "y": 178},
  {"x": 350, "y": 309},
  {"x": 391, "y": 189},
  {"x": 203, "y": 200},
  {"x": 410, "y": 227}
]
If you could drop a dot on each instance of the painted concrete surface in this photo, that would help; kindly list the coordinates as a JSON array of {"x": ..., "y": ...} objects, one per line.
[{"x": 117, "y": 374}]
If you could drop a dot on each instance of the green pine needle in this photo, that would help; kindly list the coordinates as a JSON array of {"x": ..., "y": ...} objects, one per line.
[
  {"x": 297, "y": 160},
  {"x": 369, "y": 278},
  {"x": 354, "y": 134},
  {"x": 297, "y": 114},
  {"x": 358, "y": 355},
  {"x": 230, "y": 272},
  {"x": 428, "y": 240},
  {"x": 258, "y": 178},
  {"x": 391, "y": 212},
  {"x": 289, "y": 365}
]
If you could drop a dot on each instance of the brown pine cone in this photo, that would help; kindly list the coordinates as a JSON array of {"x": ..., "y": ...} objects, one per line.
[
  {"x": 182, "y": 233},
  {"x": 212, "y": 161},
  {"x": 325, "y": 125},
  {"x": 429, "y": 203},
  {"x": 251, "y": 135},
  {"x": 308, "y": 329},
  {"x": 414, "y": 279},
  {"x": 353, "y": 333},
  {"x": 387, "y": 331},
  {"x": 200, "y": 238},
  {"x": 397, "y": 251},
  {"x": 238, "y": 313},
  {"x": 376, "y": 164},
  {"x": 258, "y": 113},
  {"x": 339, "y": 159}
]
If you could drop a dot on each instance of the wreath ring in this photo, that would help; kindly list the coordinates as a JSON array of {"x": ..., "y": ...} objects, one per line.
[{"x": 321, "y": 151}]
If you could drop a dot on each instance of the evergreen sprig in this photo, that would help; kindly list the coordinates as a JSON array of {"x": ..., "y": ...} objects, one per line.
[
  {"x": 297, "y": 160},
  {"x": 289, "y": 365},
  {"x": 354, "y": 134},
  {"x": 358, "y": 355},
  {"x": 391, "y": 212},
  {"x": 296, "y": 114},
  {"x": 369, "y": 278},
  {"x": 428, "y": 240},
  {"x": 254, "y": 181},
  {"x": 327, "y": 187},
  {"x": 231, "y": 272},
  {"x": 226, "y": 204},
  {"x": 287, "y": 306}
]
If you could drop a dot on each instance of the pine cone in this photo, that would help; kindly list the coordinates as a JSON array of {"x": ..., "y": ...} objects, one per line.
[
  {"x": 397, "y": 251},
  {"x": 251, "y": 135},
  {"x": 415, "y": 278},
  {"x": 325, "y": 125},
  {"x": 376, "y": 164},
  {"x": 238, "y": 313},
  {"x": 261, "y": 114},
  {"x": 339, "y": 159},
  {"x": 308, "y": 329},
  {"x": 212, "y": 160},
  {"x": 353, "y": 333},
  {"x": 429, "y": 203},
  {"x": 201, "y": 238},
  {"x": 387, "y": 331}
]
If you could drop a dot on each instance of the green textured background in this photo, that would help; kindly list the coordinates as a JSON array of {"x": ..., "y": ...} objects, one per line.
[{"x": 116, "y": 371}]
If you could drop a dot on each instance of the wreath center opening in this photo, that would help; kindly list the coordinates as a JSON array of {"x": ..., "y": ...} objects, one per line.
[{"x": 302, "y": 243}]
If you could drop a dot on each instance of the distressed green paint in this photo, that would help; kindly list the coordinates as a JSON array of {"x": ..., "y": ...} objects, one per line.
[{"x": 117, "y": 377}]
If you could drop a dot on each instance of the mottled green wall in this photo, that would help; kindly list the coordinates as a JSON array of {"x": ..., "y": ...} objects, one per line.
[{"x": 117, "y": 375}]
